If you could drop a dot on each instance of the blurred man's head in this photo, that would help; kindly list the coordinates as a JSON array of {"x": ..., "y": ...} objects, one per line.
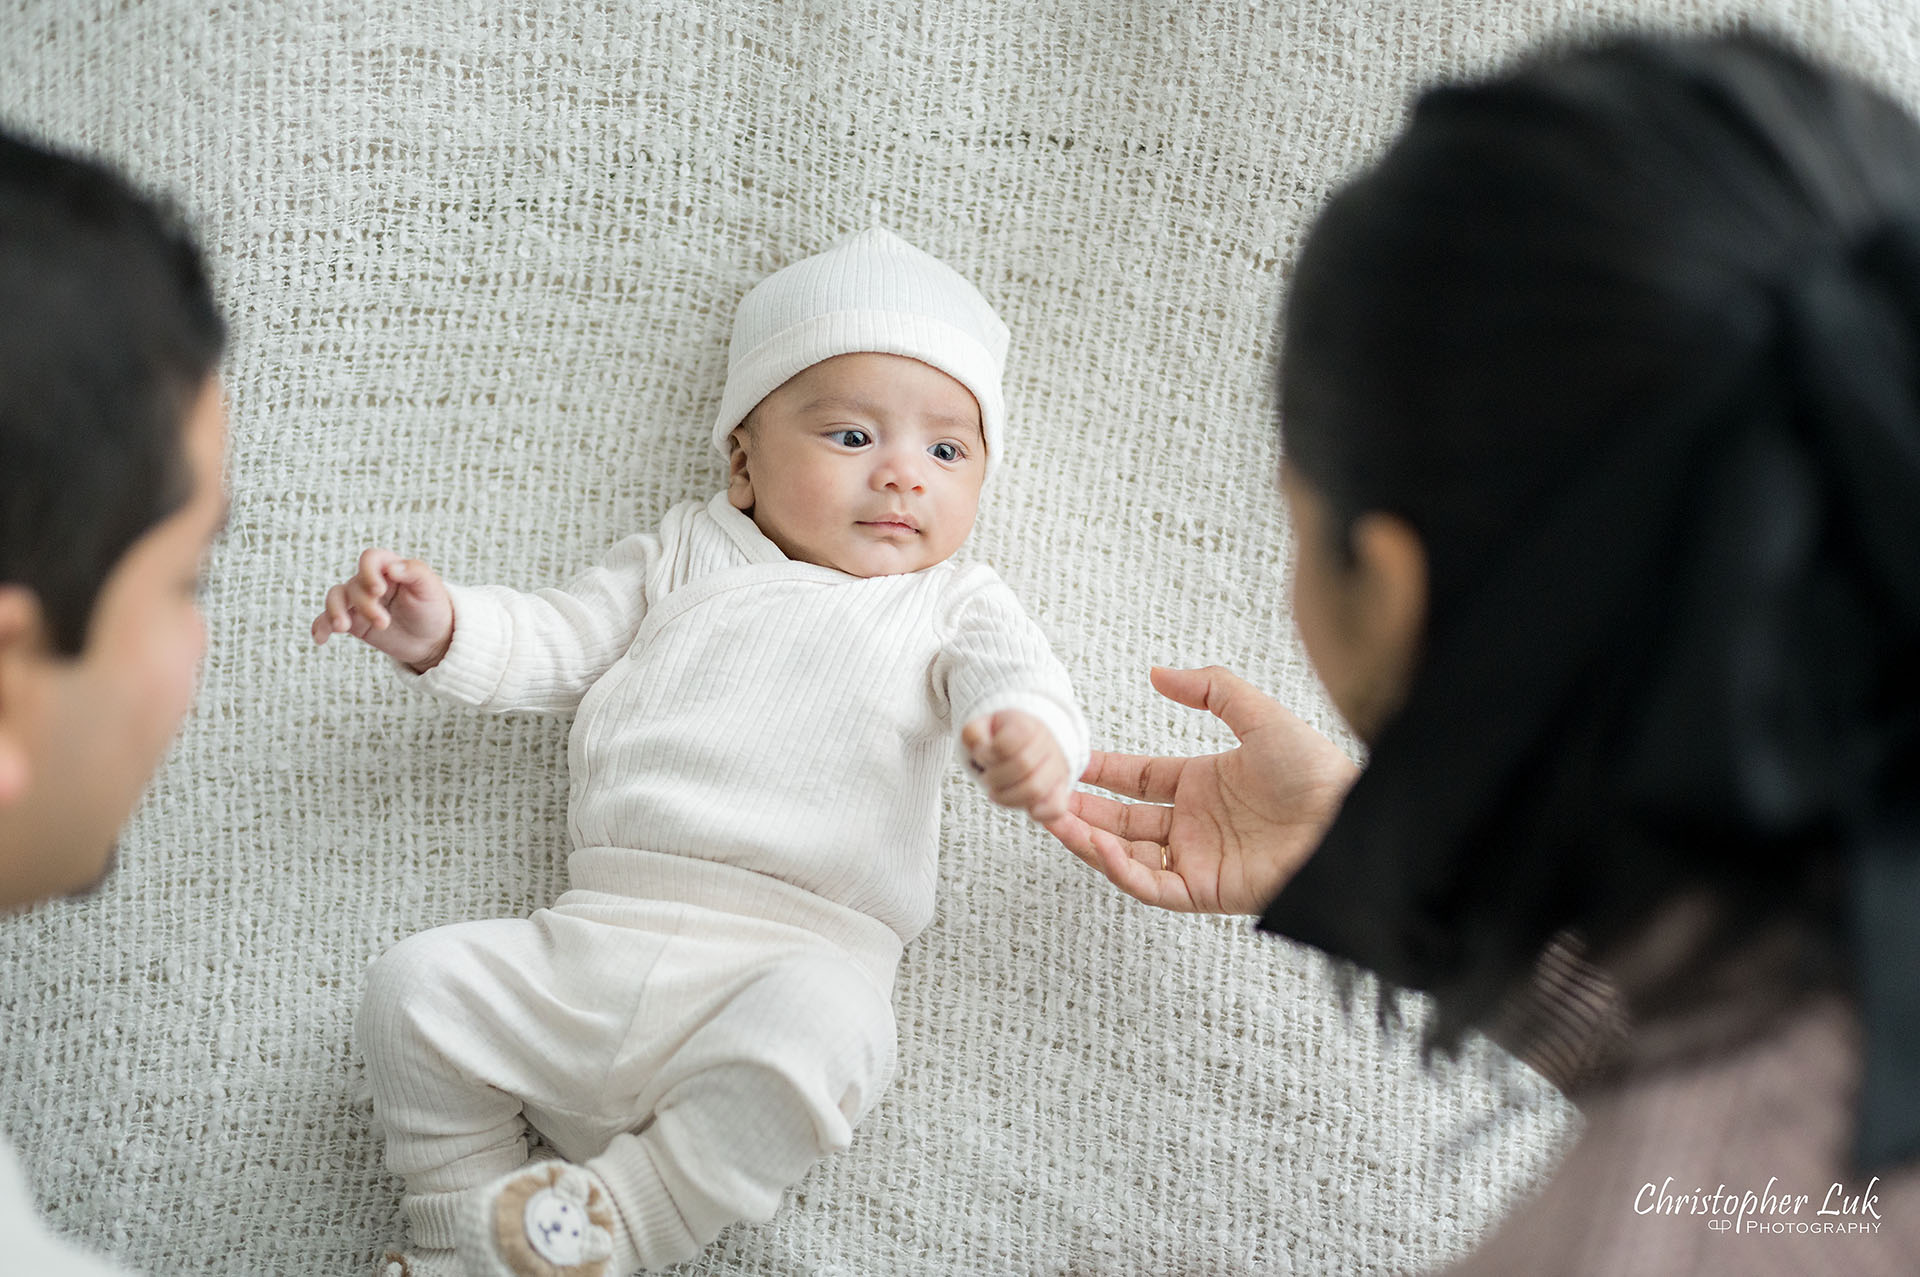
[{"x": 112, "y": 440}]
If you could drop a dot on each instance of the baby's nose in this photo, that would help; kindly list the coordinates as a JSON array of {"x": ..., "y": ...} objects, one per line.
[{"x": 898, "y": 471}]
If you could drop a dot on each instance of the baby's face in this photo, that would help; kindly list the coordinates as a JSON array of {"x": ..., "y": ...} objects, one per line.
[{"x": 868, "y": 463}]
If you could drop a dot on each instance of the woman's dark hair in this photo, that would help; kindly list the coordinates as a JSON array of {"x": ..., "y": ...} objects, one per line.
[
  {"x": 1631, "y": 337},
  {"x": 108, "y": 330}
]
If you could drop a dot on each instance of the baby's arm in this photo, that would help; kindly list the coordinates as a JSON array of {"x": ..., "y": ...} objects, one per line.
[
  {"x": 491, "y": 647},
  {"x": 1019, "y": 727}
]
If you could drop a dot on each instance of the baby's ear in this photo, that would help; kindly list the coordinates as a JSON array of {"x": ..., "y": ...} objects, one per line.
[{"x": 739, "y": 481}]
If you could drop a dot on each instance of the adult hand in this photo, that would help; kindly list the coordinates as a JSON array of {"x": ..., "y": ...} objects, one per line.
[{"x": 1219, "y": 833}]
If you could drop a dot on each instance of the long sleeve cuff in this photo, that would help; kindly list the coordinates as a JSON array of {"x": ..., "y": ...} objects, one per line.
[{"x": 476, "y": 660}]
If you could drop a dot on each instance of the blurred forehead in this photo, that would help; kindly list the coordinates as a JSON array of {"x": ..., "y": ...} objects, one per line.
[{"x": 873, "y": 384}]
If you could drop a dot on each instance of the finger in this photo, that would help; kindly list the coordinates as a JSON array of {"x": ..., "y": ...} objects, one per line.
[
  {"x": 1039, "y": 759},
  {"x": 974, "y": 735},
  {"x": 1010, "y": 737},
  {"x": 1135, "y": 822},
  {"x": 1134, "y": 865},
  {"x": 325, "y": 626},
  {"x": 1052, "y": 804},
  {"x": 1067, "y": 828},
  {"x": 369, "y": 601},
  {"x": 1085, "y": 841},
  {"x": 373, "y": 566},
  {"x": 412, "y": 575},
  {"x": 1028, "y": 744},
  {"x": 1005, "y": 780},
  {"x": 322, "y": 628},
  {"x": 1151, "y": 780},
  {"x": 339, "y": 610},
  {"x": 376, "y": 579},
  {"x": 1218, "y": 690},
  {"x": 1025, "y": 795},
  {"x": 1042, "y": 793},
  {"x": 1136, "y": 868},
  {"x": 1013, "y": 730},
  {"x": 1075, "y": 834},
  {"x": 359, "y": 591}
]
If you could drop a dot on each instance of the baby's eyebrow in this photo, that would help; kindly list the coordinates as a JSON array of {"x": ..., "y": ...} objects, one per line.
[
  {"x": 842, "y": 403},
  {"x": 952, "y": 422}
]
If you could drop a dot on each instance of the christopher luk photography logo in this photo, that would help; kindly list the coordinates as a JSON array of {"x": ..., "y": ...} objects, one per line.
[{"x": 1772, "y": 1210}]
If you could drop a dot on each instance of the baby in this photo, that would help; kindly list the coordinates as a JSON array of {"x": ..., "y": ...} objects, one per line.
[{"x": 766, "y": 691}]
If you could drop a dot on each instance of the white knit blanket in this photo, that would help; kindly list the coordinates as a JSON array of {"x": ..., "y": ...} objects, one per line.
[{"x": 481, "y": 258}]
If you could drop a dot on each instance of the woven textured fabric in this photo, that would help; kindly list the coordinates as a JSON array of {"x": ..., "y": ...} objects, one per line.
[{"x": 481, "y": 258}]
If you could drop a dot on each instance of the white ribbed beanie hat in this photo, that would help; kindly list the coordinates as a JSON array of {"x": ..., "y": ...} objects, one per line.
[{"x": 872, "y": 291}]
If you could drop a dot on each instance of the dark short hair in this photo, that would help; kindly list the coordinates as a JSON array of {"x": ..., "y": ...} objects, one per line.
[
  {"x": 1630, "y": 335},
  {"x": 108, "y": 331}
]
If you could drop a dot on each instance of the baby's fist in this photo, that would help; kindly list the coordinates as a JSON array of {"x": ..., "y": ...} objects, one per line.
[{"x": 1019, "y": 762}]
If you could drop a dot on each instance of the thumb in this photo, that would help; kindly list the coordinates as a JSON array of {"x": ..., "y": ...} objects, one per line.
[
  {"x": 1218, "y": 690},
  {"x": 414, "y": 577}
]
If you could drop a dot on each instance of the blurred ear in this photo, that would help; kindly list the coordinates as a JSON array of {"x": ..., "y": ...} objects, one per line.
[
  {"x": 739, "y": 481},
  {"x": 23, "y": 659},
  {"x": 1389, "y": 601}
]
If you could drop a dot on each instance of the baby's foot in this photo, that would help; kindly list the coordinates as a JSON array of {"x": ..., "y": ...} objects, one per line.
[
  {"x": 550, "y": 1219},
  {"x": 418, "y": 1263}
]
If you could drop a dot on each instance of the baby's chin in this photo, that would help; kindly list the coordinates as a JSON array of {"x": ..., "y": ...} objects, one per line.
[
  {"x": 866, "y": 567},
  {"x": 883, "y": 560}
]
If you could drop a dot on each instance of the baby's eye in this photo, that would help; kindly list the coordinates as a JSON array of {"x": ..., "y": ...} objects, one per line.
[
  {"x": 851, "y": 438},
  {"x": 948, "y": 452}
]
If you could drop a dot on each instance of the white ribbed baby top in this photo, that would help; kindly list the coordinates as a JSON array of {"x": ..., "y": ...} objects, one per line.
[{"x": 740, "y": 708}]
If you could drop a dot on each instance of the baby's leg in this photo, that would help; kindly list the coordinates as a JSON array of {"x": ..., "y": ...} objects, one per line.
[
  {"x": 460, "y": 1027},
  {"x": 774, "y": 1080}
]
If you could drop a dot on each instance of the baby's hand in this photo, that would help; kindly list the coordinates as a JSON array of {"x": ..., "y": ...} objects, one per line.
[
  {"x": 394, "y": 605},
  {"x": 1020, "y": 762}
]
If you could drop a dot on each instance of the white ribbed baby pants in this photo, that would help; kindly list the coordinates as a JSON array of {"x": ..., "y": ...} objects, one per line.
[{"x": 698, "y": 1061}]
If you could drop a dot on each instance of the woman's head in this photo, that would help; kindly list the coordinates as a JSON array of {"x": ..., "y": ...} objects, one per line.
[
  {"x": 1544, "y": 265},
  {"x": 1627, "y": 342}
]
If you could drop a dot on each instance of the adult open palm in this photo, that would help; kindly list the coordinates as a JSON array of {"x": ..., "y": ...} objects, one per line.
[{"x": 1219, "y": 833}]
